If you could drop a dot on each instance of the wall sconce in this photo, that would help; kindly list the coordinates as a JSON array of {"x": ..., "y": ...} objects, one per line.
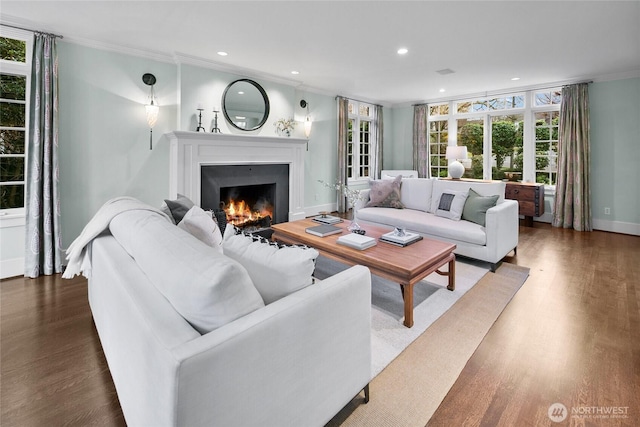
[
  {"x": 307, "y": 121},
  {"x": 455, "y": 152},
  {"x": 152, "y": 107}
]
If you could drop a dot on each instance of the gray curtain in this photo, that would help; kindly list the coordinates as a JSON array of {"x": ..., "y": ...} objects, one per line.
[
  {"x": 343, "y": 132},
  {"x": 421, "y": 147},
  {"x": 43, "y": 253},
  {"x": 572, "y": 206},
  {"x": 378, "y": 138}
]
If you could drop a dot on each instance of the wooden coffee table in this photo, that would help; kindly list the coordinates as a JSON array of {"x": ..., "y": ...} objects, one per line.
[{"x": 403, "y": 265}]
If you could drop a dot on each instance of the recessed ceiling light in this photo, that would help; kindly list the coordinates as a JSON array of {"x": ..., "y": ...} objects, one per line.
[
  {"x": 221, "y": 53},
  {"x": 515, "y": 78},
  {"x": 295, "y": 72},
  {"x": 441, "y": 90},
  {"x": 402, "y": 51}
]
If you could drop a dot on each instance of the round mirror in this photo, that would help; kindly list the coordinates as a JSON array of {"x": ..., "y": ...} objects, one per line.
[{"x": 245, "y": 105}]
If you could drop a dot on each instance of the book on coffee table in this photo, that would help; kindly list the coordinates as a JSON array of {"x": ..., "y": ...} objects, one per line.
[
  {"x": 357, "y": 241},
  {"x": 327, "y": 219},
  {"x": 323, "y": 230},
  {"x": 405, "y": 240}
]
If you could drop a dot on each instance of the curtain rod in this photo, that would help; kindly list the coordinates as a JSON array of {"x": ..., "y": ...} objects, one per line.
[
  {"x": 358, "y": 100},
  {"x": 33, "y": 31},
  {"x": 505, "y": 92}
]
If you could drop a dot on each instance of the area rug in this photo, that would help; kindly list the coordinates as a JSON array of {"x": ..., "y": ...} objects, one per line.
[
  {"x": 409, "y": 389},
  {"x": 389, "y": 337}
]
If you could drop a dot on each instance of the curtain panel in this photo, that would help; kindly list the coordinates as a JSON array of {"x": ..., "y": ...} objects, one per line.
[
  {"x": 343, "y": 132},
  {"x": 378, "y": 138},
  {"x": 421, "y": 148},
  {"x": 572, "y": 206},
  {"x": 43, "y": 253}
]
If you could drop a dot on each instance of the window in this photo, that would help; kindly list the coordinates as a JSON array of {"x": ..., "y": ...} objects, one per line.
[
  {"x": 511, "y": 136},
  {"x": 14, "y": 83},
  {"x": 360, "y": 144}
]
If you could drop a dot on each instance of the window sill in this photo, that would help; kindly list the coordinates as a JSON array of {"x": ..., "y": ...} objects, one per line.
[{"x": 8, "y": 220}]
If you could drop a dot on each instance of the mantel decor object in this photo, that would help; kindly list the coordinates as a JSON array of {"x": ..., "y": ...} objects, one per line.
[
  {"x": 200, "y": 128},
  {"x": 215, "y": 128},
  {"x": 284, "y": 127}
]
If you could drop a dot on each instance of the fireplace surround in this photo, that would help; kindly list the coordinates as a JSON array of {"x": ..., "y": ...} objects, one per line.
[{"x": 190, "y": 152}]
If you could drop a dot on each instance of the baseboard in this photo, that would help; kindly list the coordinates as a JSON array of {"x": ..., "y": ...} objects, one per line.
[
  {"x": 617, "y": 227},
  {"x": 315, "y": 210},
  {"x": 11, "y": 267}
]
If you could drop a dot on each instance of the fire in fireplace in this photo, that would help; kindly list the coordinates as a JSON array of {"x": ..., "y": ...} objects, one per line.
[{"x": 248, "y": 207}]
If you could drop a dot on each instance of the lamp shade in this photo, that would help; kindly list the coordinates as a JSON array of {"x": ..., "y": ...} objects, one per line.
[
  {"x": 455, "y": 152},
  {"x": 307, "y": 127},
  {"x": 152, "y": 114}
]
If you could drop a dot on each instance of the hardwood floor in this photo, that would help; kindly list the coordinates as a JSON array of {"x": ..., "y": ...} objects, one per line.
[{"x": 570, "y": 335}]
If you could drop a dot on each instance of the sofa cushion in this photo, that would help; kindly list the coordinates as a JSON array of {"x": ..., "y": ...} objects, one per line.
[
  {"x": 276, "y": 271},
  {"x": 202, "y": 226},
  {"x": 426, "y": 223},
  {"x": 450, "y": 204},
  {"x": 207, "y": 288},
  {"x": 416, "y": 193},
  {"x": 475, "y": 208},
  {"x": 385, "y": 193}
]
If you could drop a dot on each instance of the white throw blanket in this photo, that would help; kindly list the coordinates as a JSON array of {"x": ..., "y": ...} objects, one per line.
[{"x": 79, "y": 252}]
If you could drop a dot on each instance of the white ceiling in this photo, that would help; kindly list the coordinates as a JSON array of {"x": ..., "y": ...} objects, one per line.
[{"x": 349, "y": 47}]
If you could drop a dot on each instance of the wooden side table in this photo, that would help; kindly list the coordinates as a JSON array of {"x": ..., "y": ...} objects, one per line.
[{"x": 530, "y": 197}]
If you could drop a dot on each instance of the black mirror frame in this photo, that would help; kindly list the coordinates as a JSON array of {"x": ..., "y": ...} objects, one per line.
[{"x": 264, "y": 97}]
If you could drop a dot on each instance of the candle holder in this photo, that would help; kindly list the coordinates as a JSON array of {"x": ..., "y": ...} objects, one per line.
[
  {"x": 200, "y": 128},
  {"x": 215, "y": 128}
]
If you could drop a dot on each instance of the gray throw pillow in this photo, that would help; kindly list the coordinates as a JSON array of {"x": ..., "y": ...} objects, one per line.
[
  {"x": 179, "y": 207},
  {"x": 385, "y": 193},
  {"x": 476, "y": 206}
]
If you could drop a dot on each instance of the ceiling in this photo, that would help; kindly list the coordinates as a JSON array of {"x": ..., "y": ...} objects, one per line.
[{"x": 350, "y": 47}]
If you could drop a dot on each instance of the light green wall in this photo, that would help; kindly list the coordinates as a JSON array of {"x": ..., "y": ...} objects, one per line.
[
  {"x": 398, "y": 148},
  {"x": 103, "y": 135},
  {"x": 615, "y": 150},
  {"x": 104, "y": 138}
]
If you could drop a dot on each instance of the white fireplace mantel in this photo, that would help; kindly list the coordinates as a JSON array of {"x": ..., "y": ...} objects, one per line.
[{"x": 189, "y": 151}]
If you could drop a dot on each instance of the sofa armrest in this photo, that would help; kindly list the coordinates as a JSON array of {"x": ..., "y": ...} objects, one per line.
[
  {"x": 501, "y": 225},
  {"x": 297, "y": 361}
]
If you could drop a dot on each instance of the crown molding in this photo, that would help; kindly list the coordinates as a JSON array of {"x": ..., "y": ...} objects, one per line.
[{"x": 182, "y": 58}]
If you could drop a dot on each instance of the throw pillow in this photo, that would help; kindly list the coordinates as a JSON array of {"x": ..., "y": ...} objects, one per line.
[
  {"x": 385, "y": 193},
  {"x": 202, "y": 226},
  {"x": 476, "y": 206},
  {"x": 178, "y": 208},
  {"x": 451, "y": 204},
  {"x": 276, "y": 271}
]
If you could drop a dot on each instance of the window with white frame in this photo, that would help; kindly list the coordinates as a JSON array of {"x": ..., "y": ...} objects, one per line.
[
  {"x": 512, "y": 136},
  {"x": 15, "y": 68},
  {"x": 360, "y": 150}
]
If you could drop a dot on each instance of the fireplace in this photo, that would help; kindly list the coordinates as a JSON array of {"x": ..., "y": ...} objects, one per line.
[
  {"x": 192, "y": 153},
  {"x": 252, "y": 196}
]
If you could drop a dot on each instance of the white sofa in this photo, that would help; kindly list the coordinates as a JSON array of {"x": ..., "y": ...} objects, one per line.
[
  {"x": 489, "y": 243},
  {"x": 294, "y": 362}
]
